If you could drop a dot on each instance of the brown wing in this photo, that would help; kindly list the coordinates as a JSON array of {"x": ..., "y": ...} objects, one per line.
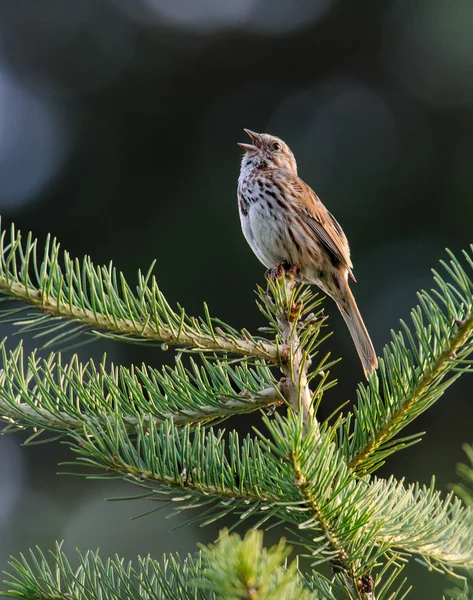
[{"x": 322, "y": 223}]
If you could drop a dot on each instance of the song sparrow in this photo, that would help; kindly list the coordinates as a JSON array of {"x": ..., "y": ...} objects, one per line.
[{"x": 285, "y": 222}]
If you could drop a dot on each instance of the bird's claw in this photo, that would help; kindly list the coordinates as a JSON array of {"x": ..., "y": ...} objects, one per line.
[{"x": 281, "y": 269}]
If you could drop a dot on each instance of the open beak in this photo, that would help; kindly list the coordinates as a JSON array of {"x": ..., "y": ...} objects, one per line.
[{"x": 255, "y": 138}]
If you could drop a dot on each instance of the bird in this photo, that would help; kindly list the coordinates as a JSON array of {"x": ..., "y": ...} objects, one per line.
[{"x": 285, "y": 223}]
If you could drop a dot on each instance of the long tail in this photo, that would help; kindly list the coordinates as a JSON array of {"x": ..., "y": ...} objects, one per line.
[{"x": 358, "y": 331}]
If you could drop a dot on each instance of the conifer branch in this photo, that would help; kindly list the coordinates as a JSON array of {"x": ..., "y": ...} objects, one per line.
[
  {"x": 416, "y": 369},
  {"x": 295, "y": 359},
  {"x": 293, "y": 476},
  {"x": 340, "y": 563},
  {"x": 151, "y": 427},
  {"x": 239, "y": 568},
  {"x": 51, "y": 576},
  {"x": 437, "y": 370},
  {"x": 61, "y": 397},
  {"x": 92, "y": 298},
  {"x": 231, "y": 568},
  {"x": 101, "y": 302}
]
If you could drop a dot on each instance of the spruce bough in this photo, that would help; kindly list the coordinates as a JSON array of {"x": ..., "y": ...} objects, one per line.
[{"x": 159, "y": 429}]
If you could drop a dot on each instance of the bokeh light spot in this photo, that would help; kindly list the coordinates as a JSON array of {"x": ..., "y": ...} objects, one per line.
[
  {"x": 67, "y": 48},
  {"x": 33, "y": 144},
  {"x": 267, "y": 17},
  {"x": 280, "y": 16}
]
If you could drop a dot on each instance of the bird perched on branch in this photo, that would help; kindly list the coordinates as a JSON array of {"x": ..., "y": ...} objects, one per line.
[{"x": 285, "y": 222}]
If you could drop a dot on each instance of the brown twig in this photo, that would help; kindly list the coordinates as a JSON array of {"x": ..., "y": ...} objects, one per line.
[{"x": 294, "y": 361}]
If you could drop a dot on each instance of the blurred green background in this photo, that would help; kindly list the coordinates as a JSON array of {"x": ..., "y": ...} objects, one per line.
[{"x": 118, "y": 128}]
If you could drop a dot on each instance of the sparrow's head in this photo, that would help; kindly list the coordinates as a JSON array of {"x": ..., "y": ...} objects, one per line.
[{"x": 267, "y": 151}]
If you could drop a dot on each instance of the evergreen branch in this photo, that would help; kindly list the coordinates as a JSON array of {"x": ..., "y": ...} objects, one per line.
[
  {"x": 296, "y": 476},
  {"x": 316, "y": 479},
  {"x": 57, "y": 396},
  {"x": 295, "y": 359},
  {"x": 289, "y": 308},
  {"x": 232, "y": 569},
  {"x": 413, "y": 374},
  {"x": 52, "y": 577},
  {"x": 228, "y": 570},
  {"x": 385, "y": 584},
  {"x": 190, "y": 463},
  {"x": 99, "y": 300},
  {"x": 188, "y": 469},
  {"x": 243, "y": 569},
  {"x": 417, "y": 520},
  {"x": 92, "y": 297},
  {"x": 363, "y": 519}
]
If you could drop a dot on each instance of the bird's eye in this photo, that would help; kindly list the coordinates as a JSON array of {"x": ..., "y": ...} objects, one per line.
[{"x": 276, "y": 146}]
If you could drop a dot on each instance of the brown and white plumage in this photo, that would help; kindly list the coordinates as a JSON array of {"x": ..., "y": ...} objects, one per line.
[{"x": 284, "y": 221}]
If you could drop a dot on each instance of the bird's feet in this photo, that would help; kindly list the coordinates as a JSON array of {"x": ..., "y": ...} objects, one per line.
[{"x": 281, "y": 269}]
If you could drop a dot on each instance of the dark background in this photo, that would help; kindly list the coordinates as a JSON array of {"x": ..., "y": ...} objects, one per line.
[{"x": 118, "y": 128}]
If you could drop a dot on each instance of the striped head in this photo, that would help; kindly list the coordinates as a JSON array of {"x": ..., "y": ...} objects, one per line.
[{"x": 267, "y": 152}]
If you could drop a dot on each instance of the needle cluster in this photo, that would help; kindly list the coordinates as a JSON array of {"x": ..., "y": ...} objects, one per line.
[{"x": 160, "y": 430}]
